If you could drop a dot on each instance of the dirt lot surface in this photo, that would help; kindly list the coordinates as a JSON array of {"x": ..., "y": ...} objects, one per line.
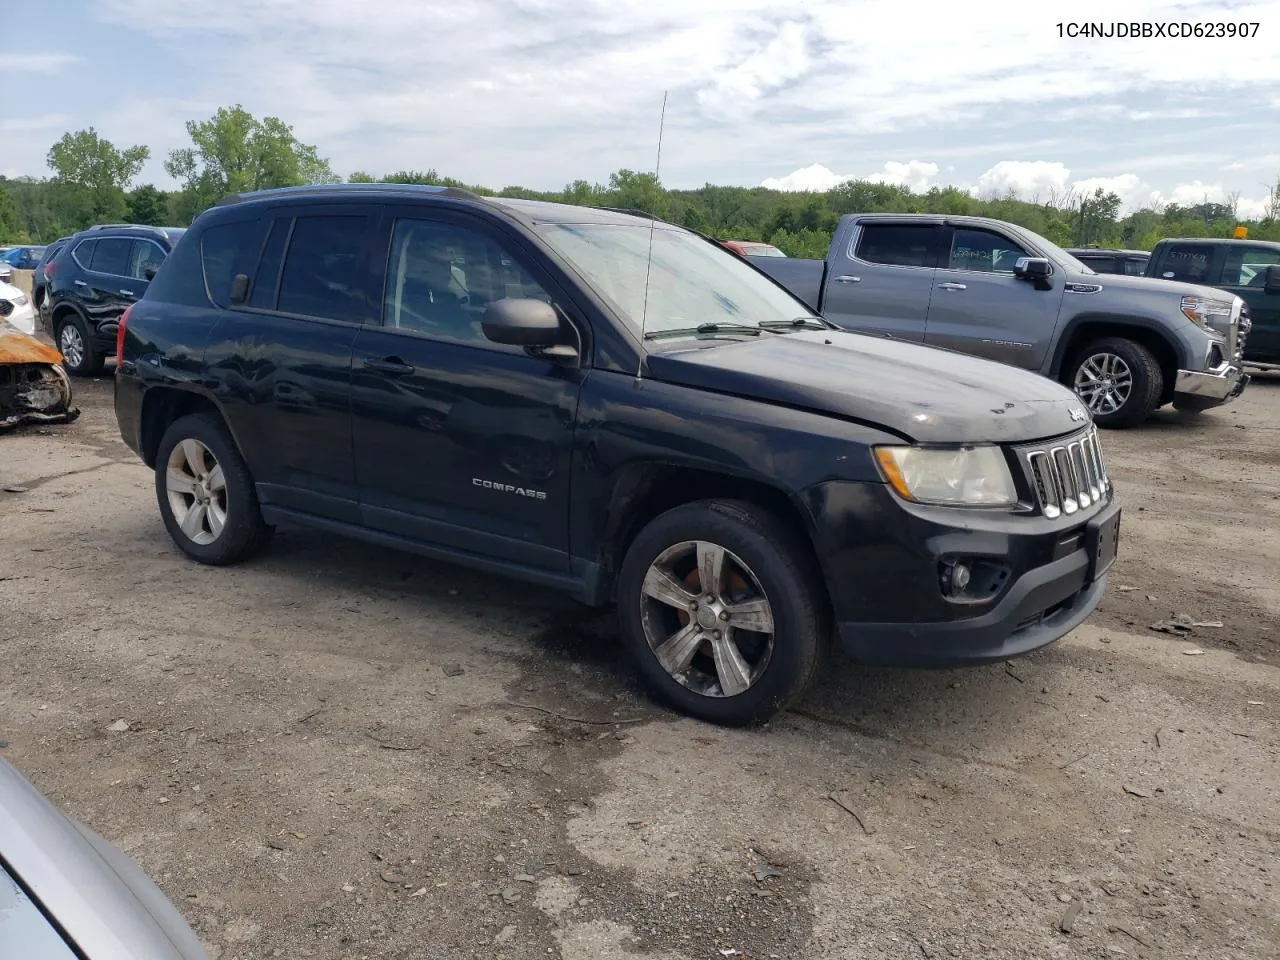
[{"x": 340, "y": 752}]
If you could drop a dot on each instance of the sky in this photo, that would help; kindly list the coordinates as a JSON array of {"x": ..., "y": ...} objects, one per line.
[{"x": 541, "y": 92}]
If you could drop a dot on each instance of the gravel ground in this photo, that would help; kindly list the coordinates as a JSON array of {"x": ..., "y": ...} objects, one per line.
[{"x": 337, "y": 752}]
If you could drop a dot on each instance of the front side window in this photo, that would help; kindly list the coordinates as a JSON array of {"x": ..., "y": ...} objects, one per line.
[
  {"x": 320, "y": 277},
  {"x": 442, "y": 277},
  {"x": 1135, "y": 268},
  {"x": 1247, "y": 266},
  {"x": 983, "y": 251},
  {"x": 899, "y": 245},
  {"x": 1186, "y": 262},
  {"x": 146, "y": 254}
]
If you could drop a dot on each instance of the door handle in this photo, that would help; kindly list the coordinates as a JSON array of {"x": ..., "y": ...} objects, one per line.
[
  {"x": 393, "y": 366},
  {"x": 128, "y": 293},
  {"x": 80, "y": 283},
  {"x": 951, "y": 286},
  {"x": 847, "y": 279}
]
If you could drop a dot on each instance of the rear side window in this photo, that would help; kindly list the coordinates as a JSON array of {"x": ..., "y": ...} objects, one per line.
[
  {"x": 1186, "y": 262},
  {"x": 262, "y": 291},
  {"x": 227, "y": 249},
  {"x": 320, "y": 277},
  {"x": 180, "y": 280},
  {"x": 899, "y": 245},
  {"x": 112, "y": 256},
  {"x": 1135, "y": 268}
]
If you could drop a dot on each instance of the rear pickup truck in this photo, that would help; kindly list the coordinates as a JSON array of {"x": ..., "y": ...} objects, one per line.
[
  {"x": 1248, "y": 269},
  {"x": 1126, "y": 345}
]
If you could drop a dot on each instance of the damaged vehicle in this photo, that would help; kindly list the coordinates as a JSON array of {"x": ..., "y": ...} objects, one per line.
[
  {"x": 15, "y": 306},
  {"x": 34, "y": 387}
]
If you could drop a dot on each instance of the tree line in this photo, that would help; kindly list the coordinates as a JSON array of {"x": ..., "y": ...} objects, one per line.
[{"x": 92, "y": 182}]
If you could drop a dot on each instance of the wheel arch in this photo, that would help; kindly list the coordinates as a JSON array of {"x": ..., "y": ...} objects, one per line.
[
  {"x": 1087, "y": 327},
  {"x": 164, "y": 405}
]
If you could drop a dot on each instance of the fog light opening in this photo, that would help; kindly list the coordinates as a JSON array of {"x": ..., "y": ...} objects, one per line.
[{"x": 971, "y": 579}]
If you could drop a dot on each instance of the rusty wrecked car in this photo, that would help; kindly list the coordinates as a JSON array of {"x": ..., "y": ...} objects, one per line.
[{"x": 34, "y": 387}]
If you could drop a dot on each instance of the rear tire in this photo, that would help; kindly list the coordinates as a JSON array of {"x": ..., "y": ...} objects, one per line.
[
  {"x": 206, "y": 494},
  {"x": 719, "y": 663},
  {"x": 75, "y": 343},
  {"x": 1119, "y": 380}
]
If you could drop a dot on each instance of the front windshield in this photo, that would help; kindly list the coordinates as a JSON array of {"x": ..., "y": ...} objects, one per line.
[
  {"x": 1058, "y": 255},
  {"x": 691, "y": 282}
]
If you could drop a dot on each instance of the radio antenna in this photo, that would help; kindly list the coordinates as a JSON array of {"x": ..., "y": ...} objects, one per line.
[{"x": 653, "y": 223}]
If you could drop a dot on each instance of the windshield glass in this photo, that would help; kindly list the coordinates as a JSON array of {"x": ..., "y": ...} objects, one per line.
[
  {"x": 691, "y": 281},
  {"x": 1058, "y": 255}
]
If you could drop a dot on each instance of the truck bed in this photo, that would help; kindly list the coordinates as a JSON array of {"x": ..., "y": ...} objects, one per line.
[{"x": 804, "y": 278}]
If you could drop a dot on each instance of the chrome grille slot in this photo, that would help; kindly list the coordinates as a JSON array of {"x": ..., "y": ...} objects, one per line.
[{"x": 1067, "y": 477}]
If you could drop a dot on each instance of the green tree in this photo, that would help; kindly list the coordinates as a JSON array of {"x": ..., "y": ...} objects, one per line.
[
  {"x": 148, "y": 205},
  {"x": 10, "y": 221},
  {"x": 235, "y": 152},
  {"x": 360, "y": 177},
  {"x": 638, "y": 191},
  {"x": 96, "y": 172}
]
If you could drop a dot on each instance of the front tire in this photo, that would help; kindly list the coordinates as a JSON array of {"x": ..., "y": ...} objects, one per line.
[
  {"x": 723, "y": 611},
  {"x": 205, "y": 493},
  {"x": 75, "y": 343},
  {"x": 1119, "y": 380}
]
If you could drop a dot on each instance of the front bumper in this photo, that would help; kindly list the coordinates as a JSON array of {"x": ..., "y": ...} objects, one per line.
[
  {"x": 1223, "y": 384},
  {"x": 1046, "y": 577}
]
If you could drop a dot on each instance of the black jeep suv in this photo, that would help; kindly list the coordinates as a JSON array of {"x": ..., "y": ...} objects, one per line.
[
  {"x": 617, "y": 408},
  {"x": 90, "y": 282}
]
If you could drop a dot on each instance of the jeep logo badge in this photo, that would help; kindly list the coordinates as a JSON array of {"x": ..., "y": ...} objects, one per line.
[{"x": 1076, "y": 414}]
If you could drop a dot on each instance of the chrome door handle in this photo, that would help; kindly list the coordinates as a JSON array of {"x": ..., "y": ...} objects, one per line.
[
  {"x": 80, "y": 283},
  {"x": 128, "y": 293},
  {"x": 847, "y": 279},
  {"x": 951, "y": 286}
]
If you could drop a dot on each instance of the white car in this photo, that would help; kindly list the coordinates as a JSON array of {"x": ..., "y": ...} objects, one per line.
[{"x": 15, "y": 306}]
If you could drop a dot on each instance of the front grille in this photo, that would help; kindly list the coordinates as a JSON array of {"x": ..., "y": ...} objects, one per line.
[{"x": 1067, "y": 476}]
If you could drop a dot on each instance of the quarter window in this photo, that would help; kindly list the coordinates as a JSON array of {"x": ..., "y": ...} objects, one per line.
[
  {"x": 83, "y": 253},
  {"x": 984, "y": 251},
  {"x": 442, "y": 277},
  {"x": 1188, "y": 263},
  {"x": 899, "y": 245},
  {"x": 321, "y": 268},
  {"x": 227, "y": 249}
]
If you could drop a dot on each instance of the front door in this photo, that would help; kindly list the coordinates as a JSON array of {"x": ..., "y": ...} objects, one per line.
[
  {"x": 459, "y": 441},
  {"x": 1244, "y": 273},
  {"x": 883, "y": 284},
  {"x": 980, "y": 307}
]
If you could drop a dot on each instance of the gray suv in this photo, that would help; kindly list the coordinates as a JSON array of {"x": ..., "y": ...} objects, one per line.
[{"x": 1126, "y": 345}]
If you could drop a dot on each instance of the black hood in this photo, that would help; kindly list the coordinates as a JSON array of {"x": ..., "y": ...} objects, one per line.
[{"x": 926, "y": 394}]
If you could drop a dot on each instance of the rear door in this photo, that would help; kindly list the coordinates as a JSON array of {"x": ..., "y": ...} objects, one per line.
[
  {"x": 283, "y": 357},
  {"x": 1244, "y": 273},
  {"x": 980, "y": 307},
  {"x": 106, "y": 289},
  {"x": 882, "y": 279}
]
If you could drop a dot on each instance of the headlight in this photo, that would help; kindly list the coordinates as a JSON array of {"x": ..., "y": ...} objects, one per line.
[
  {"x": 1201, "y": 310},
  {"x": 955, "y": 476},
  {"x": 20, "y": 300}
]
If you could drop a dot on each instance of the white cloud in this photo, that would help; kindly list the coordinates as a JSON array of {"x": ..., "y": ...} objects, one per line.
[
  {"x": 1132, "y": 190},
  {"x": 916, "y": 174},
  {"x": 41, "y": 63},
  {"x": 814, "y": 177},
  {"x": 1027, "y": 179},
  {"x": 733, "y": 94}
]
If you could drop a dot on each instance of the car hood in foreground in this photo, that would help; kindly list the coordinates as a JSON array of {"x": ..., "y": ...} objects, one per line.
[{"x": 926, "y": 394}]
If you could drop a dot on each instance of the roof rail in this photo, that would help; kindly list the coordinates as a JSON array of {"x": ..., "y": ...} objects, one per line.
[
  {"x": 341, "y": 188},
  {"x": 633, "y": 212}
]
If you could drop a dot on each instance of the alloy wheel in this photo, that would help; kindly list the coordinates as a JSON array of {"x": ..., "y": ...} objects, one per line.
[
  {"x": 197, "y": 491},
  {"x": 1104, "y": 382},
  {"x": 71, "y": 345}
]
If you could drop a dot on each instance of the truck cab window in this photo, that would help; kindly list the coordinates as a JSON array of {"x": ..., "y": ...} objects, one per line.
[
  {"x": 983, "y": 251},
  {"x": 899, "y": 245},
  {"x": 1247, "y": 266},
  {"x": 1185, "y": 262}
]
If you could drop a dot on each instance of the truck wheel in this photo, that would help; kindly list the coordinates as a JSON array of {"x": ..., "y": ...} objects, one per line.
[
  {"x": 205, "y": 492},
  {"x": 1119, "y": 380},
  {"x": 723, "y": 611},
  {"x": 76, "y": 346}
]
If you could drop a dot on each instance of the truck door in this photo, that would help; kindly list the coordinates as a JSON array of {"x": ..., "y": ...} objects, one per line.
[
  {"x": 1244, "y": 273},
  {"x": 880, "y": 280},
  {"x": 980, "y": 307}
]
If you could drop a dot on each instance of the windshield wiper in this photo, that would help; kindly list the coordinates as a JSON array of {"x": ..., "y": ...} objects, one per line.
[
  {"x": 814, "y": 323},
  {"x": 747, "y": 328}
]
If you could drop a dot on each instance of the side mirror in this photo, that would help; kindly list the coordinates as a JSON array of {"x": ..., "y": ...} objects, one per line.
[
  {"x": 1273, "y": 279},
  {"x": 521, "y": 323},
  {"x": 149, "y": 273},
  {"x": 1032, "y": 268}
]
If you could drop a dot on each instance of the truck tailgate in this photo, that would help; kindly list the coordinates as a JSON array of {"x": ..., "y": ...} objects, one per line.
[{"x": 804, "y": 278}]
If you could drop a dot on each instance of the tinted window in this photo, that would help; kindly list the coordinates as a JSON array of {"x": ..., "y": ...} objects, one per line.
[
  {"x": 901, "y": 245},
  {"x": 262, "y": 292},
  {"x": 112, "y": 256},
  {"x": 144, "y": 254},
  {"x": 984, "y": 251},
  {"x": 1135, "y": 268},
  {"x": 442, "y": 277},
  {"x": 226, "y": 250},
  {"x": 1186, "y": 262},
  {"x": 181, "y": 281},
  {"x": 1247, "y": 266},
  {"x": 83, "y": 252},
  {"x": 320, "y": 269},
  {"x": 1100, "y": 264}
]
